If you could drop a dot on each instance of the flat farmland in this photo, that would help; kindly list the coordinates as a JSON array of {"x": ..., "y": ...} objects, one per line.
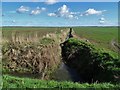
[
  {"x": 103, "y": 37},
  {"x": 7, "y": 32}
]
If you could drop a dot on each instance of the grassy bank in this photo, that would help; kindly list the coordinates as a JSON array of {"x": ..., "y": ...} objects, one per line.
[
  {"x": 92, "y": 63},
  {"x": 16, "y": 82}
]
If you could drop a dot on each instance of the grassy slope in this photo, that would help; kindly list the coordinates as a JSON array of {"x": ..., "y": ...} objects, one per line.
[
  {"x": 100, "y": 36},
  {"x": 91, "y": 63},
  {"x": 15, "y": 82}
]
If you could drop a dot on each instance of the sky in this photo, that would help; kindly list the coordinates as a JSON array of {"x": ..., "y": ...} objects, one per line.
[
  {"x": 60, "y": 0},
  {"x": 54, "y": 13}
]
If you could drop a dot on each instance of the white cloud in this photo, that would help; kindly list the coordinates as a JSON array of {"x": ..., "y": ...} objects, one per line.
[
  {"x": 50, "y": 2},
  {"x": 81, "y": 15},
  {"x": 51, "y": 14},
  {"x": 92, "y": 11},
  {"x": 64, "y": 12},
  {"x": 102, "y": 19},
  {"x": 23, "y": 9},
  {"x": 70, "y": 16},
  {"x": 37, "y": 11},
  {"x": 43, "y": 9},
  {"x": 101, "y": 22},
  {"x": 61, "y": 12},
  {"x": 75, "y": 13}
]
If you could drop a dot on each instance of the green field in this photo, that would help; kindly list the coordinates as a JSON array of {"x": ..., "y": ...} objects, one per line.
[
  {"x": 101, "y": 37},
  {"x": 15, "y": 82}
]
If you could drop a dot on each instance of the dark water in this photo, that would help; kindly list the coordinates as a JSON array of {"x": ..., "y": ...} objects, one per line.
[{"x": 65, "y": 73}]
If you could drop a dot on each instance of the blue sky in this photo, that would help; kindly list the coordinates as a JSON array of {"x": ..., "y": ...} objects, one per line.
[
  {"x": 60, "y": 0},
  {"x": 60, "y": 13}
]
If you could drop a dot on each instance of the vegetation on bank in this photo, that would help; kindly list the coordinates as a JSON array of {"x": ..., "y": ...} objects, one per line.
[
  {"x": 91, "y": 63},
  {"x": 39, "y": 59},
  {"x": 27, "y": 32},
  {"x": 15, "y": 82},
  {"x": 39, "y": 56}
]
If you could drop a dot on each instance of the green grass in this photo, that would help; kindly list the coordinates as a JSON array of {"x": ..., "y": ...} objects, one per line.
[
  {"x": 92, "y": 63},
  {"x": 16, "y": 82},
  {"x": 100, "y": 36}
]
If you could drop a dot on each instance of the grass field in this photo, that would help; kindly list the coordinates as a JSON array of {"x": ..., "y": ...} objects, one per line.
[
  {"x": 100, "y": 36},
  {"x": 9, "y": 31},
  {"x": 15, "y": 82}
]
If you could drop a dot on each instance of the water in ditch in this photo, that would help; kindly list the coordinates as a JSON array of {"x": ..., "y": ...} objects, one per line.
[{"x": 65, "y": 73}]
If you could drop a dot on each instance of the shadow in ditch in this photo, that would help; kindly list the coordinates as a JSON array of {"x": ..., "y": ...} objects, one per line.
[
  {"x": 90, "y": 63},
  {"x": 65, "y": 73}
]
